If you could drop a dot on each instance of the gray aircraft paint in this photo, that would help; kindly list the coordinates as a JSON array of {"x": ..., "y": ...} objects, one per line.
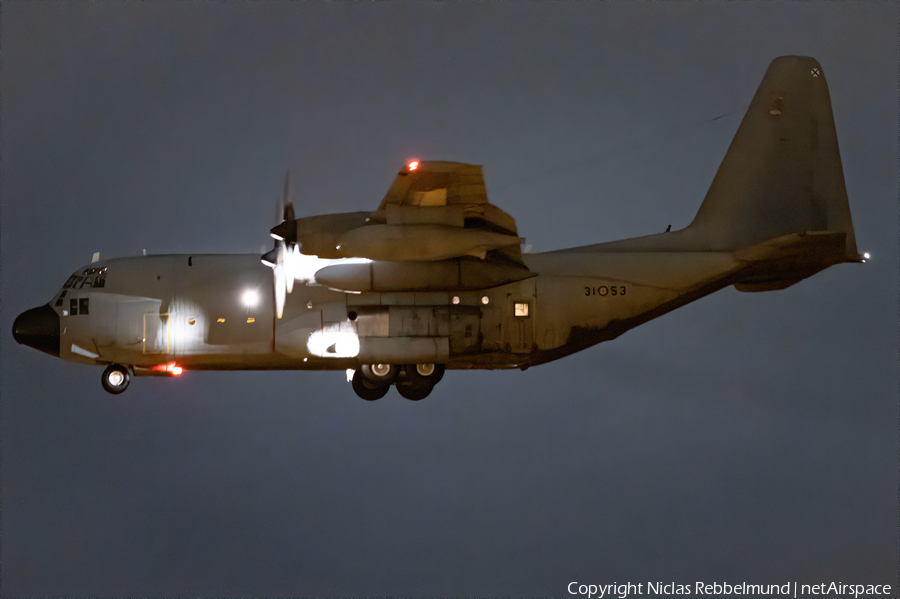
[{"x": 777, "y": 212}]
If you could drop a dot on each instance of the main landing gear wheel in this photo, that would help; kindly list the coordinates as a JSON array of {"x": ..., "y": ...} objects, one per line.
[
  {"x": 424, "y": 374},
  {"x": 368, "y": 390},
  {"x": 379, "y": 373},
  {"x": 414, "y": 391},
  {"x": 115, "y": 379}
]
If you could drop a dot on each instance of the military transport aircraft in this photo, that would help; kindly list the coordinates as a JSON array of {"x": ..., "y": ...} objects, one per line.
[{"x": 435, "y": 279}]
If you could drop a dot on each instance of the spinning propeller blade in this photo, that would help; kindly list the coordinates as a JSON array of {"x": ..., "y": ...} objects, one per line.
[{"x": 282, "y": 258}]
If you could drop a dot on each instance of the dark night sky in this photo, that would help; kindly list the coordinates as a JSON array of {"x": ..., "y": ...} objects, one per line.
[{"x": 746, "y": 437}]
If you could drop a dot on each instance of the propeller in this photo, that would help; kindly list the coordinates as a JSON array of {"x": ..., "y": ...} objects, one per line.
[{"x": 282, "y": 259}]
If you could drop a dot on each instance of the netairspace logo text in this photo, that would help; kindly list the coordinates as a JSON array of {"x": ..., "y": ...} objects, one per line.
[{"x": 661, "y": 589}]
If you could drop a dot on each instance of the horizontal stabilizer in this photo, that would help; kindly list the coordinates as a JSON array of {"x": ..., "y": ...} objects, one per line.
[
  {"x": 779, "y": 263},
  {"x": 825, "y": 245}
]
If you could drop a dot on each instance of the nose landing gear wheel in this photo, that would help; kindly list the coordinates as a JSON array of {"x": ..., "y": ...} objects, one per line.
[
  {"x": 115, "y": 379},
  {"x": 414, "y": 391},
  {"x": 367, "y": 389}
]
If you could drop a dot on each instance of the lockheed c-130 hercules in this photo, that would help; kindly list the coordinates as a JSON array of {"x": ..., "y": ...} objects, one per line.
[{"x": 434, "y": 279}]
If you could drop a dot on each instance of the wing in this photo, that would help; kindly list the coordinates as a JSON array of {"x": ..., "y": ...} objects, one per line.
[
  {"x": 434, "y": 231},
  {"x": 450, "y": 194}
]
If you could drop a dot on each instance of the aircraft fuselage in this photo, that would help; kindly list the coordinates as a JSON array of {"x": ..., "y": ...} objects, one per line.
[{"x": 216, "y": 312}]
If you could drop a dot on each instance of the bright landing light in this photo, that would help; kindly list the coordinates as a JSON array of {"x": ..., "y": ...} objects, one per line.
[
  {"x": 336, "y": 340},
  {"x": 250, "y": 298},
  {"x": 171, "y": 367}
]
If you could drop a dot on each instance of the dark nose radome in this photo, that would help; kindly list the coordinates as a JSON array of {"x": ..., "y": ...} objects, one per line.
[{"x": 38, "y": 328}]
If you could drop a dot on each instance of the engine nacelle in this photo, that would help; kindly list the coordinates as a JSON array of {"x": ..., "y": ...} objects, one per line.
[
  {"x": 420, "y": 243},
  {"x": 445, "y": 275}
]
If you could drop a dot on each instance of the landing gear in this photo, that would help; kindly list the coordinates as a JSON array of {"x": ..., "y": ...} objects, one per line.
[
  {"x": 368, "y": 390},
  {"x": 413, "y": 391},
  {"x": 413, "y": 381},
  {"x": 115, "y": 378},
  {"x": 418, "y": 380},
  {"x": 379, "y": 373},
  {"x": 422, "y": 374}
]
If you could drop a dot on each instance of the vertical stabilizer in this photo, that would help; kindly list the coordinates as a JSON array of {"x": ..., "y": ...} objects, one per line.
[{"x": 782, "y": 173}]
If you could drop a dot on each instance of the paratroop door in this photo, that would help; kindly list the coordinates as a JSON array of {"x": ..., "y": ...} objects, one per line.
[{"x": 157, "y": 337}]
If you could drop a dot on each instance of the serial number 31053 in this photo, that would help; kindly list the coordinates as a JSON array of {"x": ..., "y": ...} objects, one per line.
[{"x": 604, "y": 290}]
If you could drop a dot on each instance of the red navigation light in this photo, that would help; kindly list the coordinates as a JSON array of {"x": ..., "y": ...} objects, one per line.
[{"x": 413, "y": 165}]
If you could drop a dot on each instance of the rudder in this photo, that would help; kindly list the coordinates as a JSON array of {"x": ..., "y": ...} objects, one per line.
[{"x": 782, "y": 173}]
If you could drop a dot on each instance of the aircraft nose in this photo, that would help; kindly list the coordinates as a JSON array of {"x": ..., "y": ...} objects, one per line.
[{"x": 38, "y": 328}]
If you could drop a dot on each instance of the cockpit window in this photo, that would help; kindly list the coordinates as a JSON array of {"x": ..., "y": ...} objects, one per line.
[
  {"x": 78, "y": 306},
  {"x": 94, "y": 277},
  {"x": 90, "y": 277}
]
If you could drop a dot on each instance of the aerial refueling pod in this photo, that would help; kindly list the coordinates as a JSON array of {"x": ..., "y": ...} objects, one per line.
[{"x": 443, "y": 275}]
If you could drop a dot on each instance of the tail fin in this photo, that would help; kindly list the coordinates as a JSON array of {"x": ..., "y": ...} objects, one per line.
[
  {"x": 782, "y": 174},
  {"x": 778, "y": 201}
]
